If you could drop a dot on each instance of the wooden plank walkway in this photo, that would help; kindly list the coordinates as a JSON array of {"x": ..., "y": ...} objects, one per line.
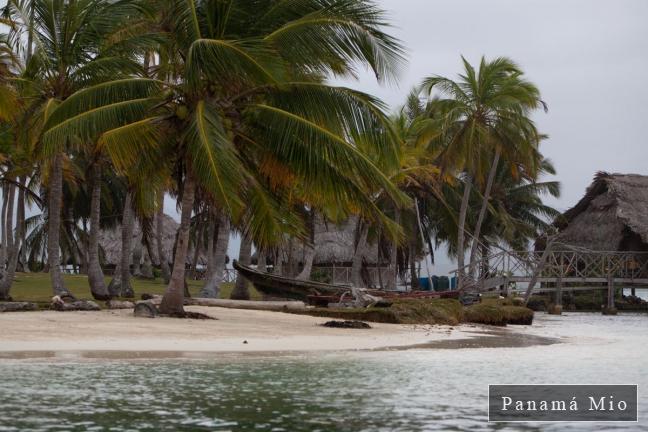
[{"x": 562, "y": 269}]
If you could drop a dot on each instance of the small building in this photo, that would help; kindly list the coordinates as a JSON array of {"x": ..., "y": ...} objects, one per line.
[{"x": 612, "y": 216}]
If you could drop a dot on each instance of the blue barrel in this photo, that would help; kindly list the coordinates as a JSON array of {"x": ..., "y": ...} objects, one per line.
[
  {"x": 424, "y": 284},
  {"x": 453, "y": 282},
  {"x": 443, "y": 284},
  {"x": 435, "y": 283}
]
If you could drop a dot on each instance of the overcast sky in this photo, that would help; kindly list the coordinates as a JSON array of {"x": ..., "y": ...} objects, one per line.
[{"x": 589, "y": 58}]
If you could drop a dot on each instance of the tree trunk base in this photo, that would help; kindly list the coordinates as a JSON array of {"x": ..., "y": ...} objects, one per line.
[
  {"x": 554, "y": 309},
  {"x": 18, "y": 307},
  {"x": 145, "y": 309},
  {"x": 117, "y": 288},
  {"x": 116, "y": 304},
  {"x": 78, "y": 305},
  {"x": 100, "y": 297}
]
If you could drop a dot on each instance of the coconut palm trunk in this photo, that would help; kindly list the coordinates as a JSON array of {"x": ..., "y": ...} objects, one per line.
[
  {"x": 212, "y": 285},
  {"x": 173, "y": 299},
  {"x": 309, "y": 248},
  {"x": 461, "y": 238},
  {"x": 138, "y": 252},
  {"x": 10, "y": 218},
  {"x": 159, "y": 231},
  {"x": 392, "y": 283},
  {"x": 193, "y": 270},
  {"x": 146, "y": 269},
  {"x": 120, "y": 284},
  {"x": 3, "y": 227},
  {"x": 262, "y": 261},
  {"x": 277, "y": 266},
  {"x": 95, "y": 273},
  {"x": 55, "y": 193},
  {"x": 241, "y": 291},
  {"x": 482, "y": 212},
  {"x": 14, "y": 249},
  {"x": 412, "y": 266},
  {"x": 356, "y": 266},
  {"x": 211, "y": 240},
  {"x": 21, "y": 229}
]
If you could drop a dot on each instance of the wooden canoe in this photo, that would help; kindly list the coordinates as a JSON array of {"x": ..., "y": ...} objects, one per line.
[
  {"x": 318, "y": 292},
  {"x": 285, "y": 287}
]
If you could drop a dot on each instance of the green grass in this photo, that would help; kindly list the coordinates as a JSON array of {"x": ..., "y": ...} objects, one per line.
[{"x": 36, "y": 287}]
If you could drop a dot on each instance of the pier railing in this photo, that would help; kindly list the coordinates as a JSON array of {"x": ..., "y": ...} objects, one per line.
[{"x": 568, "y": 266}]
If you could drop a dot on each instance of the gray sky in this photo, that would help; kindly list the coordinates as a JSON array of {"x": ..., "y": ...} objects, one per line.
[{"x": 588, "y": 57}]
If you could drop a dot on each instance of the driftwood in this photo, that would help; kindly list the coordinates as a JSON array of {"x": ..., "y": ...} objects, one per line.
[
  {"x": 145, "y": 309},
  {"x": 248, "y": 304},
  {"x": 77, "y": 305},
  {"x": 157, "y": 299},
  {"x": 235, "y": 304},
  {"x": 116, "y": 304},
  {"x": 18, "y": 307}
]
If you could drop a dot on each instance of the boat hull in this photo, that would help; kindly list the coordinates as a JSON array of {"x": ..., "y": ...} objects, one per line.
[{"x": 283, "y": 287}]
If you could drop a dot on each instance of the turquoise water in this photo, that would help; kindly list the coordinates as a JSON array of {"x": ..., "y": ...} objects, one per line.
[{"x": 415, "y": 390}]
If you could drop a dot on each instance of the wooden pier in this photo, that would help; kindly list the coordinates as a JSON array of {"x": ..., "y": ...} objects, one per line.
[{"x": 557, "y": 270}]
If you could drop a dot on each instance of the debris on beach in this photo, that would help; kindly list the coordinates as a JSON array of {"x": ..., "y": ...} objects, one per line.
[{"x": 347, "y": 324}]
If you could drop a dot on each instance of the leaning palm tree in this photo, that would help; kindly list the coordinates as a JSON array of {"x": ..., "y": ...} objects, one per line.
[
  {"x": 486, "y": 118},
  {"x": 518, "y": 214},
  {"x": 246, "y": 93}
]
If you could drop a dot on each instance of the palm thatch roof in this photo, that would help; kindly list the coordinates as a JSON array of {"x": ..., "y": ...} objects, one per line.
[
  {"x": 110, "y": 241},
  {"x": 334, "y": 244},
  {"x": 612, "y": 216}
]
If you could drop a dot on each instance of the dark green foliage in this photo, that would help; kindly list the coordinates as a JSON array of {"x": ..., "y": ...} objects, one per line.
[{"x": 436, "y": 311}]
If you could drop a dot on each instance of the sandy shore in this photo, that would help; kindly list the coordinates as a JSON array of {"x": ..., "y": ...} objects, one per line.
[{"x": 119, "y": 330}]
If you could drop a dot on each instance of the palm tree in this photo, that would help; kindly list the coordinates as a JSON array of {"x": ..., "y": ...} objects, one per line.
[
  {"x": 70, "y": 67},
  {"x": 246, "y": 92},
  {"x": 487, "y": 117},
  {"x": 518, "y": 214},
  {"x": 217, "y": 258}
]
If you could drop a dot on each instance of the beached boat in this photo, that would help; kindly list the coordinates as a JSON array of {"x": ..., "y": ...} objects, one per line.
[
  {"x": 285, "y": 287},
  {"x": 319, "y": 292}
]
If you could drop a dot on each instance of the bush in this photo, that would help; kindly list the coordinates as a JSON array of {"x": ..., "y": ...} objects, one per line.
[
  {"x": 498, "y": 312},
  {"x": 485, "y": 313},
  {"x": 402, "y": 311},
  {"x": 518, "y": 315}
]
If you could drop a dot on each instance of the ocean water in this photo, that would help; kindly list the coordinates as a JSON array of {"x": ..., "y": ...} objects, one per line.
[
  {"x": 642, "y": 293},
  {"x": 410, "y": 390}
]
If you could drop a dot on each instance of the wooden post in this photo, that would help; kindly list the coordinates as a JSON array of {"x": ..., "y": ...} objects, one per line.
[
  {"x": 558, "y": 299},
  {"x": 610, "y": 309},
  {"x": 556, "y": 307}
]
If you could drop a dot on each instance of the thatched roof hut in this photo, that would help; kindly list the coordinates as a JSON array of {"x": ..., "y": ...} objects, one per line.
[
  {"x": 335, "y": 244},
  {"x": 110, "y": 242},
  {"x": 612, "y": 216}
]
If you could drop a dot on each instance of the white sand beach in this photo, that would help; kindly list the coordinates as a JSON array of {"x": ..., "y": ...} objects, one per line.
[{"x": 119, "y": 330}]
